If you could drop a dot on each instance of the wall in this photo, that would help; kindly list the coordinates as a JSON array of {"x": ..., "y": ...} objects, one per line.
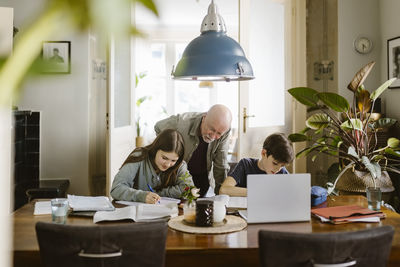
[
  {"x": 380, "y": 22},
  {"x": 63, "y": 102},
  {"x": 6, "y": 18},
  {"x": 358, "y": 18},
  {"x": 322, "y": 50},
  {"x": 389, "y": 28}
]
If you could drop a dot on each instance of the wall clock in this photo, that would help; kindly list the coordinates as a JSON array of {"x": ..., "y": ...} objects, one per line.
[{"x": 363, "y": 45}]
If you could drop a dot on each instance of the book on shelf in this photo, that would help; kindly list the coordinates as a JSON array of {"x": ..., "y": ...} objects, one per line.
[
  {"x": 139, "y": 213},
  {"x": 346, "y": 214}
]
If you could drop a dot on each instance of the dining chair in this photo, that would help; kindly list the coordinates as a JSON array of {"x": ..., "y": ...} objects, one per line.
[
  {"x": 134, "y": 244},
  {"x": 369, "y": 247}
]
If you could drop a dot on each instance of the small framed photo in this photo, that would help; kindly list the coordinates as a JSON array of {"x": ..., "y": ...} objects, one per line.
[
  {"x": 393, "y": 54},
  {"x": 56, "y": 57}
]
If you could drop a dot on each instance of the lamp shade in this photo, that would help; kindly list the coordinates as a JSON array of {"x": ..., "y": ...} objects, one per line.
[{"x": 213, "y": 56}]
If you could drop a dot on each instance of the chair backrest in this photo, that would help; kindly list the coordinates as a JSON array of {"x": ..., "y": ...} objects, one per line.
[
  {"x": 135, "y": 244},
  {"x": 364, "y": 248}
]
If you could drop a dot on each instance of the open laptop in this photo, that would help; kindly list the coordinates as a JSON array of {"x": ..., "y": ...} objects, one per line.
[{"x": 278, "y": 198}]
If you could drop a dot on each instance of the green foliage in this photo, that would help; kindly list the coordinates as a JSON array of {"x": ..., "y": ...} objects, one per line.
[
  {"x": 304, "y": 95},
  {"x": 68, "y": 15},
  {"x": 334, "y": 101},
  {"x": 347, "y": 131},
  {"x": 190, "y": 192}
]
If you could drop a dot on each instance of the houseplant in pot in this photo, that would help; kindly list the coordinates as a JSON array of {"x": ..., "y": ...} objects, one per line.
[{"x": 349, "y": 133}]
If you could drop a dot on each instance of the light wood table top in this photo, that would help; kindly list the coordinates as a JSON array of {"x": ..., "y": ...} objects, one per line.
[{"x": 233, "y": 249}]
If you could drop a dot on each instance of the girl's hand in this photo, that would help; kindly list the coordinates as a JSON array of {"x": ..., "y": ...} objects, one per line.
[{"x": 152, "y": 198}]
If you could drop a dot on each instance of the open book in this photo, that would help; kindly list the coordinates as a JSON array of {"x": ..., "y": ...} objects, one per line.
[{"x": 139, "y": 213}]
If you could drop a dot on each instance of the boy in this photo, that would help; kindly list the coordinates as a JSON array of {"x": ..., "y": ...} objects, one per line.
[{"x": 276, "y": 153}]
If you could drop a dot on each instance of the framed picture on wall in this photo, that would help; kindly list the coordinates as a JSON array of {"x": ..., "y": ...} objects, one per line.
[
  {"x": 393, "y": 54},
  {"x": 56, "y": 57}
]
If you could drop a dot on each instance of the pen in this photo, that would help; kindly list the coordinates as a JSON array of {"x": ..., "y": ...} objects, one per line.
[{"x": 151, "y": 189}]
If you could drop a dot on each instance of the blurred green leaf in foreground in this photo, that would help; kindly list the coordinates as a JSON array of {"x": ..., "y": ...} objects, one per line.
[{"x": 67, "y": 16}]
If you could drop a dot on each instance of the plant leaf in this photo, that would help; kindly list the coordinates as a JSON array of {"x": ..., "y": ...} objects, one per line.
[
  {"x": 297, "y": 137},
  {"x": 392, "y": 152},
  {"x": 375, "y": 94},
  {"x": 372, "y": 168},
  {"x": 307, "y": 151},
  {"x": 382, "y": 123},
  {"x": 351, "y": 151},
  {"x": 305, "y": 130},
  {"x": 393, "y": 142},
  {"x": 334, "y": 101},
  {"x": 360, "y": 77},
  {"x": 363, "y": 101},
  {"x": 352, "y": 124},
  {"x": 149, "y": 4},
  {"x": 318, "y": 121},
  {"x": 305, "y": 95}
]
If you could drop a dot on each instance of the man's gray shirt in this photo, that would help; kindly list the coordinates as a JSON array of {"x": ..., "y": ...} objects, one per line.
[{"x": 188, "y": 125}]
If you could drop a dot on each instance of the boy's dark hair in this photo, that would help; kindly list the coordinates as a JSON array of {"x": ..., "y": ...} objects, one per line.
[{"x": 279, "y": 146}]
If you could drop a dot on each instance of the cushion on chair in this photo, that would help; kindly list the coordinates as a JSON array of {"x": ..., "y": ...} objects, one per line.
[
  {"x": 141, "y": 244},
  {"x": 368, "y": 247}
]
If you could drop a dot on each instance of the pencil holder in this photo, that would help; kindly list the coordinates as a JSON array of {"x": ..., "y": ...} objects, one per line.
[{"x": 204, "y": 212}]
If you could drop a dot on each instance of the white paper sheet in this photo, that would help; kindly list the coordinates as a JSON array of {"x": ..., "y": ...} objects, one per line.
[
  {"x": 368, "y": 219},
  {"x": 85, "y": 203},
  {"x": 42, "y": 207}
]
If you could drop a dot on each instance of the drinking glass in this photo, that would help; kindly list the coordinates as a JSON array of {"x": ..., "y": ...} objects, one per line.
[
  {"x": 59, "y": 210},
  {"x": 374, "y": 197}
]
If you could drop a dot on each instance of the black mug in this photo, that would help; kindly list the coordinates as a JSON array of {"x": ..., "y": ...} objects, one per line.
[{"x": 204, "y": 212}]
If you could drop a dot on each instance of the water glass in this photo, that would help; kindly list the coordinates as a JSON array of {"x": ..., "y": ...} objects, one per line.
[
  {"x": 374, "y": 197},
  {"x": 59, "y": 210}
]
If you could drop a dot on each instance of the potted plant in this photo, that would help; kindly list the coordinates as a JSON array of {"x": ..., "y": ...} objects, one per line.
[{"x": 350, "y": 134}]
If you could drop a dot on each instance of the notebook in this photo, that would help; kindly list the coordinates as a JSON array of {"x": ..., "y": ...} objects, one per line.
[{"x": 278, "y": 198}]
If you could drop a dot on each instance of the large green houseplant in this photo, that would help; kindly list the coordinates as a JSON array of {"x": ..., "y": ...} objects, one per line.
[{"x": 349, "y": 133}]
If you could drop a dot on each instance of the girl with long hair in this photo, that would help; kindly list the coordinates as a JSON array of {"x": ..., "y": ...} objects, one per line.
[{"x": 153, "y": 171}]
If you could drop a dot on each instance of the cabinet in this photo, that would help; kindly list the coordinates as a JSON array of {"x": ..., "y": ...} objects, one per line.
[{"x": 26, "y": 154}]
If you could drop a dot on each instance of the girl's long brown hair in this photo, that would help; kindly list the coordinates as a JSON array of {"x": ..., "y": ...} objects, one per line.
[{"x": 168, "y": 140}]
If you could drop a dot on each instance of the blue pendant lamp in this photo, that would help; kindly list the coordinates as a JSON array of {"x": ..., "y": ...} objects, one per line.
[{"x": 213, "y": 56}]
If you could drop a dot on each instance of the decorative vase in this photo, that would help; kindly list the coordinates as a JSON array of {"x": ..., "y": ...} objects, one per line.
[
  {"x": 139, "y": 141},
  {"x": 189, "y": 212}
]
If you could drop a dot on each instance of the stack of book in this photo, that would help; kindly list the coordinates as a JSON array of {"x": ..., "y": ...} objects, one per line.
[{"x": 346, "y": 214}]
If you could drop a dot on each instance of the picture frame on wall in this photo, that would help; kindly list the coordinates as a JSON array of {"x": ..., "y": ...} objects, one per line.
[
  {"x": 393, "y": 61},
  {"x": 56, "y": 57}
]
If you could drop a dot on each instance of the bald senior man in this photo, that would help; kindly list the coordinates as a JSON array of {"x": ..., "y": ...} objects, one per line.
[{"x": 206, "y": 143}]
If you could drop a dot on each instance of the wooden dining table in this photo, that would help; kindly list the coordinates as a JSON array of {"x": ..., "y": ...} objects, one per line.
[{"x": 184, "y": 249}]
